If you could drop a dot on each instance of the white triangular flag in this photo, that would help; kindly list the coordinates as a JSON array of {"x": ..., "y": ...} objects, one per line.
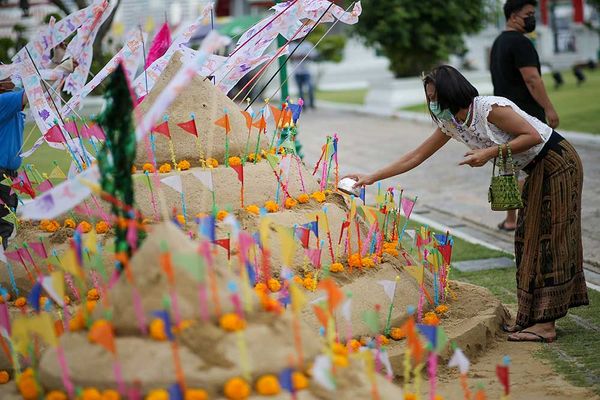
[
  {"x": 321, "y": 372},
  {"x": 47, "y": 284},
  {"x": 459, "y": 360},
  {"x": 347, "y": 309},
  {"x": 319, "y": 299},
  {"x": 205, "y": 177},
  {"x": 411, "y": 233},
  {"x": 389, "y": 287},
  {"x": 385, "y": 360},
  {"x": 174, "y": 182}
]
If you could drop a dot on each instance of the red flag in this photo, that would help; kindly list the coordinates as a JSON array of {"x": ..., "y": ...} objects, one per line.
[
  {"x": 261, "y": 124},
  {"x": 223, "y": 122},
  {"x": 54, "y": 135},
  {"x": 160, "y": 44},
  {"x": 345, "y": 225},
  {"x": 23, "y": 187},
  {"x": 224, "y": 243},
  {"x": 502, "y": 373},
  {"x": 304, "y": 235},
  {"x": 446, "y": 251},
  {"x": 189, "y": 127},
  {"x": 163, "y": 129},
  {"x": 239, "y": 169},
  {"x": 248, "y": 117}
]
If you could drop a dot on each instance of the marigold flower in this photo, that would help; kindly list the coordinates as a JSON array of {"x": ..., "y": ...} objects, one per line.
[
  {"x": 318, "y": 196},
  {"x": 195, "y": 394},
  {"x": 183, "y": 165},
  {"x": 270, "y": 305},
  {"x": 52, "y": 226},
  {"x": 69, "y": 223},
  {"x": 44, "y": 223},
  {"x": 221, "y": 215},
  {"x": 431, "y": 318},
  {"x": 4, "y": 298},
  {"x": 235, "y": 161},
  {"x": 303, "y": 198},
  {"x": 410, "y": 396},
  {"x": 93, "y": 294},
  {"x": 157, "y": 330},
  {"x": 180, "y": 219},
  {"x": 67, "y": 300},
  {"x": 354, "y": 345},
  {"x": 253, "y": 209},
  {"x": 212, "y": 163},
  {"x": 133, "y": 169},
  {"x": 298, "y": 280},
  {"x": 237, "y": 389},
  {"x": 102, "y": 227},
  {"x": 253, "y": 156},
  {"x": 290, "y": 203},
  {"x": 336, "y": 267},
  {"x": 299, "y": 381},
  {"x": 274, "y": 285},
  {"x": 368, "y": 262},
  {"x": 90, "y": 306},
  {"x": 339, "y": 349},
  {"x": 397, "y": 333},
  {"x": 391, "y": 251},
  {"x": 355, "y": 260},
  {"x": 56, "y": 395},
  {"x": 77, "y": 323},
  {"x": 271, "y": 206},
  {"x": 383, "y": 340},
  {"x": 84, "y": 227},
  {"x": 165, "y": 168},
  {"x": 231, "y": 322},
  {"x": 340, "y": 361},
  {"x": 268, "y": 385},
  {"x": 110, "y": 394},
  {"x": 4, "y": 377},
  {"x": 365, "y": 340},
  {"x": 148, "y": 168},
  {"x": 441, "y": 309},
  {"x": 157, "y": 394},
  {"x": 91, "y": 394},
  {"x": 20, "y": 302},
  {"x": 28, "y": 387},
  {"x": 309, "y": 283},
  {"x": 260, "y": 287}
]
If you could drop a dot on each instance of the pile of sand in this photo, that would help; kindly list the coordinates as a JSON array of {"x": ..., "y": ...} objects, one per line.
[{"x": 208, "y": 104}]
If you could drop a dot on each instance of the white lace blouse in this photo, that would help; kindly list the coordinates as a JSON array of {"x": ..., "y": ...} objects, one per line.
[{"x": 481, "y": 133}]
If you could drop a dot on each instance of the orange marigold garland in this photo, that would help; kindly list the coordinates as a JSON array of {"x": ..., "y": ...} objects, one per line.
[
  {"x": 268, "y": 385},
  {"x": 165, "y": 168},
  {"x": 274, "y": 285},
  {"x": 290, "y": 203},
  {"x": 253, "y": 209},
  {"x": 183, "y": 165},
  {"x": 221, "y": 215},
  {"x": 235, "y": 161},
  {"x": 319, "y": 196},
  {"x": 236, "y": 389},
  {"x": 148, "y": 168},
  {"x": 271, "y": 206},
  {"x": 303, "y": 198},
  {"x": 336, "y": 267},
  {"x": 102, "y": 227},
  {"x": 84, "y": 226},
  {"x": 231, "y": 322},
  {"x": 212, "y": 163},
  {"x": 69, "y": 223},
  {"x": 195, "y": 394},
  {"x": 157, "y": 330},
  {"x": 431, "y": 318}
]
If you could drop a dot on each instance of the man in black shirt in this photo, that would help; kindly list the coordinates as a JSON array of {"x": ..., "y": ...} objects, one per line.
[{"x": 516, "y": 72}]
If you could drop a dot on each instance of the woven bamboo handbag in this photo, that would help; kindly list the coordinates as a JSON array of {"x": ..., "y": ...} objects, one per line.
[{"x": 504, "y": 193}]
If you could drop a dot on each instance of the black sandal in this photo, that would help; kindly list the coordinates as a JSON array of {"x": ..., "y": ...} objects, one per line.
[
  {"x": 538, "y": 338},
  {"x": 502, "y": 227}
]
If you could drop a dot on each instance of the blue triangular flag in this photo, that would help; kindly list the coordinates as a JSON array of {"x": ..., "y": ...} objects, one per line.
[
  {"x": 313, "y": 226},
  {"x": 251, "y": 273},
  {"x": 430, "y": 332},
  {"x": 207, "y": 227},
  {"x": 34, "y": 296},
  {"x": 296, "y": 110},
  {"x": 362, "y": 194},
  {"x": 175, "y": 392},
  {"x": 285, "y": 379},
  {"x": 164, "y": 315}
]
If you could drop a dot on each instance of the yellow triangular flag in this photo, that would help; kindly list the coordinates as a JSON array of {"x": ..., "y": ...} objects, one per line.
[
  {"x": 264, "y": 231},
  {"x": 58, "y": 283},
  {"x": 90, "y": 241},
  {"x": 68, "y": 262},
  {"x": 416, "y": 271},
  {"x": 42, "y": 325},
  {"x": 20, "y": 334},
  {"x": 288, "y": 244},
  {"x": 149, "y": 26},
  {"x": 57, "y": 173},
  {"x": 298, "y": 298},
  {"x": 352, "y": 210}
]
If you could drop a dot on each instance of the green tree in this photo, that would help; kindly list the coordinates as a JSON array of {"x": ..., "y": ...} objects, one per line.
[
  {"x": 416, "y": 35},
  {"x": 331, "y": 47}
]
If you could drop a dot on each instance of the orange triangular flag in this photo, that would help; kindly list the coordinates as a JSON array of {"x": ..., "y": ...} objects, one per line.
[
  {"x": 334, "y": 294},
  {"x": 261, "y": 124},
  {"x": 277, "y": 114},
  {"x": 321, "y": 316},
  {"x": 248, "y": 117},
  {"x": 101, "y": 333},
  {"x": 223, "y": 122}
]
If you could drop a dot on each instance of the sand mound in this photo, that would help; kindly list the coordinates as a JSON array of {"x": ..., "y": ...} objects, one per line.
[
  {"x": 208, "y": 104},
  {"x": 260, "y": 185}
]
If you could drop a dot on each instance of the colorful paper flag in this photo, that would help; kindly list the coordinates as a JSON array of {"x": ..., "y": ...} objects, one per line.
[
  {"x": 223, "y": 122},
  {"x": 163, "y": 129},
  {"x": 160, "y": 44},
  {"x": 389, "y": 287},
  {"x": 189, "y": 127}
]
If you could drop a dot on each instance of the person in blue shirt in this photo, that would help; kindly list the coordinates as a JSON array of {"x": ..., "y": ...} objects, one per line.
[{"x": 12, "y": 122}]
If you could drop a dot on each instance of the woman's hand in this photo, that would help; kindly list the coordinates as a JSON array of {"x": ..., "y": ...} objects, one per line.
[
  {"x": 361, "y": 179},
  {"x": 477, "y": 157}
]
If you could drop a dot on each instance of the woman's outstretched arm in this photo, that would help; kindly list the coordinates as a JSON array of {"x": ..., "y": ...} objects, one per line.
[{"x": 405, "y": 163}]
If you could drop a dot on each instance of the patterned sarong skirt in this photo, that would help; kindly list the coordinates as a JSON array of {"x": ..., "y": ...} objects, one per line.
[{"x": 548, "y": 248}]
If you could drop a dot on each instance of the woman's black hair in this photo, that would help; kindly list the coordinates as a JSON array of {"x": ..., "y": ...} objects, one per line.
[
  {"x": 514, "y": 6},
  {"x": 453, "y": 91}
]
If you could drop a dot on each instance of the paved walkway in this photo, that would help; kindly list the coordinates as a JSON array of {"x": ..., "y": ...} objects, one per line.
[{"x": 369, "y": 142}]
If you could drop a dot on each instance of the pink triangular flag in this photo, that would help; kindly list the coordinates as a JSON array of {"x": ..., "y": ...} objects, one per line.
[
  {"x": 25, "y": 255},
  {"x": 407, "y": 206},
  {"x": 160, "y": 44},
  {"x": 314, "y": 255},
  {"x": 71, "y": 127},
  {"x": 54, "y": 135},
  {"x": 44, "y": 186},
  {"x": 39, "y": 249}
]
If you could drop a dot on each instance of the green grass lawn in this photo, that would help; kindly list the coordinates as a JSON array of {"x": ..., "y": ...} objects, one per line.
[
  {"x": 578, "y": 107},
  {"x": 575, "y": 353},
  {"x": 352, "y": 96}
]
